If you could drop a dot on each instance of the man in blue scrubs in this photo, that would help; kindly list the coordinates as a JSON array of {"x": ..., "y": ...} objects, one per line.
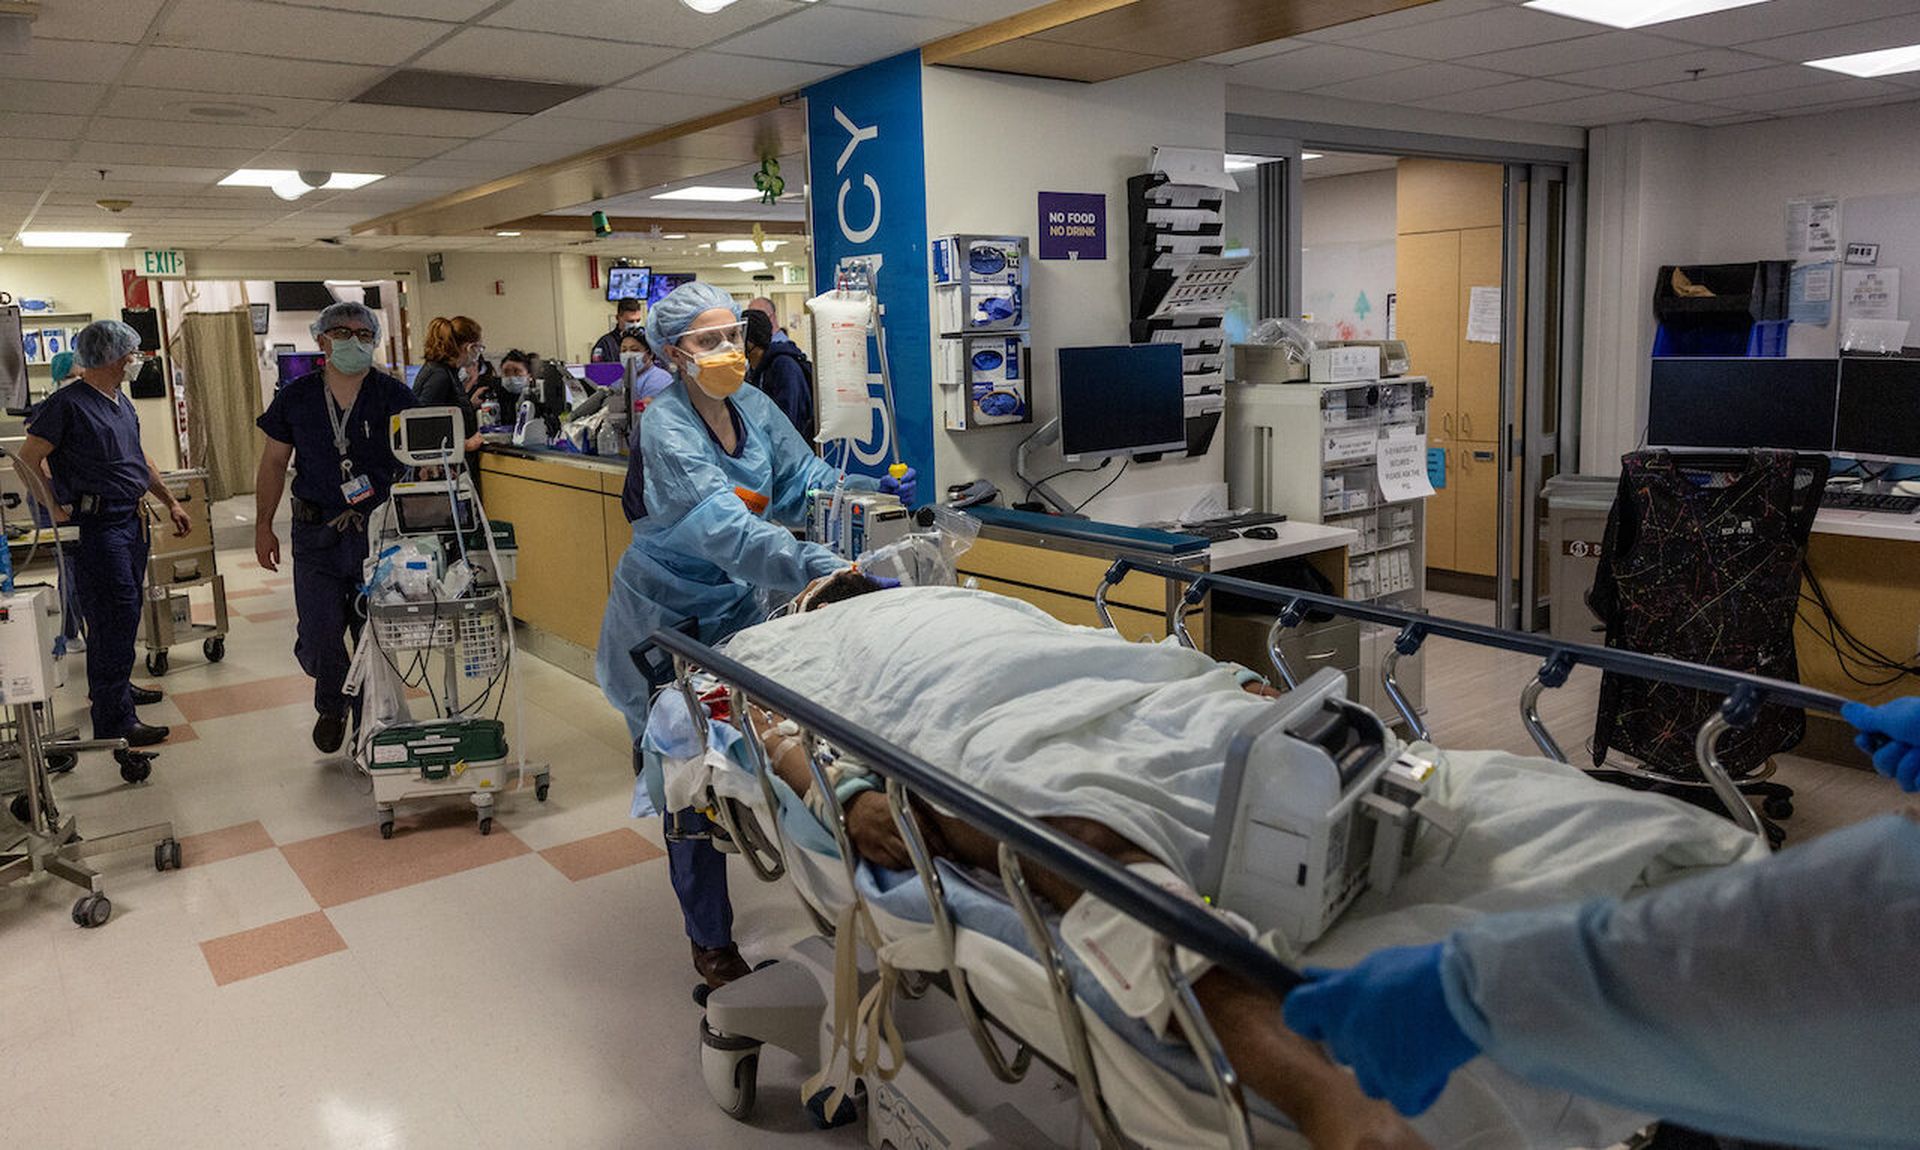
[
  {"x": 333, "y": 425},
  {"x": 88, "y": 437}
]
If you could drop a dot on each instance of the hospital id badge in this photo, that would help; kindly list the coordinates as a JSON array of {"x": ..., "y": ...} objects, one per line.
[{"x": 359, "y": 489}]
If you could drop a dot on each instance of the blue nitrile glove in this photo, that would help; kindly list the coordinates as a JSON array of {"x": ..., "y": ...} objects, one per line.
[
  {"x": 884, "y": 583},
  {"x": 1388, "y": 1019},
  {"x": 906, "y": 487},
  {"x": 1890, "y": 733}
]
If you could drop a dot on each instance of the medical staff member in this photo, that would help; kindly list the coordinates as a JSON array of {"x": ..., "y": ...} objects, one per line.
[
  {"x": 1775, "y": 1001},
  {"x": 720, "y": 473},
  {"x": 777, "y": 366},
  {"x": 334, "y": 425},
  {"x": 87, "y": 437},
  {"x": 629, "y": 316},
  {"x": 455, "y": 354}
]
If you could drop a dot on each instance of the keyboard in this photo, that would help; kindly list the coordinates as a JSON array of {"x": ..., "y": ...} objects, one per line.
[{"x": 1868, "y": 501}]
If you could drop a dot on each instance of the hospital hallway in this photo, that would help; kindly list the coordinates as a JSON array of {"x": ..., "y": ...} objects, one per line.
[{"x": 303, "y": 983}]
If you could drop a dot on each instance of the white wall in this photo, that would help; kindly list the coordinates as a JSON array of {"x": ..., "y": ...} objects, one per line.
[
  {"x": 1348, "y": 234},
  {"x": 1360, "y": 208},
  {"x": 993, "y": 143}
]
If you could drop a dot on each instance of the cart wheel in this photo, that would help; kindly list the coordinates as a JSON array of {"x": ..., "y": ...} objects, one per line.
[
  {"x": 156, "y": 663},
  {"x": 540, "y": 791},
  {"x": 92, "y": 910},
  {"x": 486, "y": 824},
  {"x": 60, "y": 762},
  {"x": 1777, "y": 808},
  {"x": 386, "y": 828},
  {"x": 731, "y": 1068},
  {"x": 166, "y": 855},
  {"x": 134, "y": 767},
  {"x": 215, "y": 649},
  {"x": 19, "y": 808}
]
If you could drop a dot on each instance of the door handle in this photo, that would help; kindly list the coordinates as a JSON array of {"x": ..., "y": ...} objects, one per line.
[
  {"x": 1263, "y": 468},
  {"x": 1466, "y": 425},
  {"x": 1446, "y": 421}
]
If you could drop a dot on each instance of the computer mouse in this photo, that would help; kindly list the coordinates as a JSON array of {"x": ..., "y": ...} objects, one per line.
[{"x": 1260, "y": 533}]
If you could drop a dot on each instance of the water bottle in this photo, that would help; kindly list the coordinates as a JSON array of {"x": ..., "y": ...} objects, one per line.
[{"x": 520, "y": 423}]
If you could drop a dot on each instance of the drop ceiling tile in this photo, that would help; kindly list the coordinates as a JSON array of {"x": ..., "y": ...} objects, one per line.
[
  {"x": 1316, "y": 66},
  {"x": 1703, "y": 114},
  {"x": 467, "y": 172},
  {"x": 841, "y": 36},
  {"x": 113, "y": 21},
  {"x": 1493, "y": 30},
  {"x": 1778, "y": 18},
  {"x": 39, "y": 170},
  {"x": 303, "y": 33},
  {"x": 1592, "y": 111},
  {"x": 369, "y": 144},
  {"x": 40, "y": 126},
  {"x": 115, "y": 130},
  {"x": 1404, "y": 18},
  {"x": 1414, "y": 85},
  {"x": 1811, "y": 95},
  {"x": 416, "y": 121},
  {"x": 112, "y": 156},
  {"x": 31, "y": 149},
  {"x": 1841, "y": 41},
  {"x": 457, "y": 11},
  {"x": 176, "y": 104},
  {"x": 1669, "y": 69},
  {"x": 82, "y": 177},
  {"x": 976, "y": 11},
  {"x": 1504, "y": 97},
  {"x": 640, "y": 110},
  {"x": 1562, "y": 56},
  {"x": 1759, "y": 81},
  {"x": 233, "y": 72},
  {"x": 541, "y": 56},
  {"x": 57, "y": 97},
  {"x": 739, "y": 78},
  {"x": 1841, "y": 106},
  {"x": 1256, "y": 52},
  {"x": 581, "y": 133},
  {"x": 47, "y": 59},
  {"x": 672, "y": 25},
  {"x": 302, "y": 159}
]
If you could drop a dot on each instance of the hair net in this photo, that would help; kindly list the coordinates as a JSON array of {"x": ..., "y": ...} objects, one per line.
[
  {"x": 62, "y": 366},
  {"x": 672, "y": 316},
  {"x": 103, "y": 341},
  {"x": 343, "y": 313}
]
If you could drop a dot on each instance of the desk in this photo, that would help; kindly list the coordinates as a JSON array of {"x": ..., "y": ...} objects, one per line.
[
  {"x": 565, "y": 511},
  {"x": 1869, "y": 564}
]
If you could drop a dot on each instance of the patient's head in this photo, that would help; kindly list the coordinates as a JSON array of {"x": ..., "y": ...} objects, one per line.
[{"x": 842, "y": 585}]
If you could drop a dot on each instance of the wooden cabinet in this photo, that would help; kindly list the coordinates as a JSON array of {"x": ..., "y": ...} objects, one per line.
[
  {"x": 1477, "y": 403},
  {"x": 559, "y": 521},
  {"x": 1426, "y": 289},
  {"x": 1476, "y": 484}
]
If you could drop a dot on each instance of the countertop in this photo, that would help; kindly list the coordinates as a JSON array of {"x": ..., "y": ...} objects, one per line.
[
  {"x": 1868, "y": 524},
  {"x": 548, "y": 455},
  {"x": 1293, "y": 539}
]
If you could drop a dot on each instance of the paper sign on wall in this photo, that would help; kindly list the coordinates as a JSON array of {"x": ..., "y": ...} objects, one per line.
[
  {"x": 1810, "y": 294},
  {"x": 1402, "y": 465},
  {"x": 1073, "y": 226},
  {"x": 1870, "y": 293},
  {"x": 1483, "y": 315},
  {"x": 1813, "y": 227}
]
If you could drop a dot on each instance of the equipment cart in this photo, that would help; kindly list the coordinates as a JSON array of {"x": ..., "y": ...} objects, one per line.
[
  {"x": 439, "y": 620},
  {"x": 177, "y": 566}
]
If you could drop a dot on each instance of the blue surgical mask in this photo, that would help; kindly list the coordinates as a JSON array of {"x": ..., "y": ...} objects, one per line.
[
  {"x": 516, "y": 384},
  {"x": 350, "y": 356}
]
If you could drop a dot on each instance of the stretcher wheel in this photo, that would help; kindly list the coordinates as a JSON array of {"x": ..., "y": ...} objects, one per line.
[
  {"x": 156, "y": 663},
  {"x": 134, "y": 767},
  {"x": 386, "y": 828},
  {"x": 215, "y": 649},
  {"x": 166, "y": 855},
  {"x": 540, "y": 789},
  {"x": 730, "y": 1066},
  {"x": 486, "y": 824},
  {"x": 19, "y": 808},
  {"x": 92, "y": 910},
  {"x": 1777, "y": 807}
]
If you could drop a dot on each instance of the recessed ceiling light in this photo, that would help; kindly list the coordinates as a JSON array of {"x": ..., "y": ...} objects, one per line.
[
  {"x": 713, "y": 195},
  {"x": 1884, "y": 62},
  {"x": 747, "y": 245},
  {"x": 507, "y": 235},
  {"x": 1635, "y": 13},
  {"x": 749, "y": 265},
  {"x": 74, "y": 239},
  {"x": 706, "y": 7}
]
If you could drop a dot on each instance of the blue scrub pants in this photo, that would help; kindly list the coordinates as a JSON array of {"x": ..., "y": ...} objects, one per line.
[
  {"x": 112, "y": 561},
  {"x": 699, "y": 873},
  {"x": 326, "y": 584}
]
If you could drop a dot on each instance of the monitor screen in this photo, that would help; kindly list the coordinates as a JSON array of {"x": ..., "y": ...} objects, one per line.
[
  {"x": 145, "y": 321},
  {"x": 1124, "y": 400},
  {"x": 261, "y": 316},
  {"x": 422, "y": 512},
  {"x": 1879, "y": 410},
  {"x": 302, "y": 295},
  {"x": 428, "y": 435},
  {"x": 294, "y": 364},
  {"x": 1742, "y": 403},
  {"x": 662, "y": 285},
  {"x": 627, "y": 283}
]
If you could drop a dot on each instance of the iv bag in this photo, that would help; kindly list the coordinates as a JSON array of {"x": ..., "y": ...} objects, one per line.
[{"x": 841, "y": 325}]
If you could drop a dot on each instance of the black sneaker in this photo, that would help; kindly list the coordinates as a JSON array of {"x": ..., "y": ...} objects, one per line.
[
  {"x": 146, "y": 696},
  {"x": 145, "y": 735},
  {"x": 328, "y": 731}
]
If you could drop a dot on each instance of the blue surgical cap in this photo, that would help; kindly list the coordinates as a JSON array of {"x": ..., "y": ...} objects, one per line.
[
  {"x": 672, "y": 316},
  {"x": 62, "y": 366},
  {"x": 103, "y": 341},
  {"x": 344, "y": 314}
]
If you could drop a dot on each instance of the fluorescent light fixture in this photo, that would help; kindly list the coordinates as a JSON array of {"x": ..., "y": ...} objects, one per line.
[
  {"x": 1310, "y": 156},
  {"x": 1884, "y": 62},
  {"x": 749, "y": 265},
  {"x": 747, "y": 245},
  {"x": 291, "y": 185},
  {"x": 74, "y": 239},
  {"x": 673, "y": 235},
  {"x": 1635, "y": 13},
  {"x": 712, "y": 195},
  {"x": 706, "y": 7},
  {"x": 507, "y": 235}
]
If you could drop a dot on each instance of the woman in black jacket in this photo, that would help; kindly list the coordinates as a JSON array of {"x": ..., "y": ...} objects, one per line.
[{"x": 453, "y": 358}]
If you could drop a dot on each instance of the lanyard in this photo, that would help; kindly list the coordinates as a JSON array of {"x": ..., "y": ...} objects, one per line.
[{"x": 339, "y": 420}]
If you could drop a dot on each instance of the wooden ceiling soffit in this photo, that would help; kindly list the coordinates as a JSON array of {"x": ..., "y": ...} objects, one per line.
[
  {"x": 641, "y": 225},
  {"x": 773, "y": 126},
  {"x": 1094, "y": 40}
]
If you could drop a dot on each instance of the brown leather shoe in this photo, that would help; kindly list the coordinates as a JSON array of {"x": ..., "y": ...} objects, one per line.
[{"x": 720, "y": 965}]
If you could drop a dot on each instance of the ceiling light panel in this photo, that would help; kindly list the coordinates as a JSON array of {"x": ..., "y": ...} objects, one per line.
[
  {"x": 1635, "y": 13},
  {"x": 1867, "y": 65},
  {"x": 710, "y": 195},
  {"x": 74, "y": 239}
]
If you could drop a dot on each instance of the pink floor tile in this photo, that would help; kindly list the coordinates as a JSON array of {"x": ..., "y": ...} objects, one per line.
[
  {"x": 600, "y": 854},
  {"x": 249, "y": 592},
  {"x": 260, "y": 695},
  {"x": 268, "y": 616},
  {"x": 225, "y": 843},
  {"x": 435, "y": 842},
  {"x": 265, "y": 949}
]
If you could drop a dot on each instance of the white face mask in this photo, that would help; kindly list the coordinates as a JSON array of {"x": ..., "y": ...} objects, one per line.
[{"x": 132, "y": 371}]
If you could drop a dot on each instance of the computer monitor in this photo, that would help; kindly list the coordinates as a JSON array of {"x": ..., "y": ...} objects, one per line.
[
  {"x": 1121, "y": 400},
  {"x": 627, "y": 283},
  {"x": 1786, "y": 404},
  {"x": 429, "y": 436},
  {"x": 1878, "y": 415},
  {"x": 294, "y": 364},
  {"x": 661, "y": 286}
]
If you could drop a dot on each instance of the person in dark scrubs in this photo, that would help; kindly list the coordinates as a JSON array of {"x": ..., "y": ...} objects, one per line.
[
  {"x": 630, "y": 316},
  {"x": 333, "y": 425},
  {"x": 88, "y": 438}
]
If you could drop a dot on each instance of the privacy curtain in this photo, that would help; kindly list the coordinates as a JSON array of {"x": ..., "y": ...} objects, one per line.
[{"x": 215, "y": 350}]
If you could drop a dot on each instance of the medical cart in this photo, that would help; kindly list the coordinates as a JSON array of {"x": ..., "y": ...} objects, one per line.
[
  {"x": 454, "y": 643},
  {"x": 177, "y": 566}
]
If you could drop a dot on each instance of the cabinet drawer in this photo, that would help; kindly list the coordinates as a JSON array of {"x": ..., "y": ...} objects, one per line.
[{"x": 1060, "y": 571}]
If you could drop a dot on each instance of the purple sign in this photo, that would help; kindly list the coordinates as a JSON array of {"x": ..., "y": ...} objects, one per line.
[{"x": 1073, "y": 226}]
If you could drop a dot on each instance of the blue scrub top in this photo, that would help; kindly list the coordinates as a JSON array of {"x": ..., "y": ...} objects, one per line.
[
  {"x": 96, "y": 444},
  {"x": 298, "y": 416}
]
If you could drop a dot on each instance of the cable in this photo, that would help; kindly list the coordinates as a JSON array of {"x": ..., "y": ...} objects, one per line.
[
  {"x": 1103, "y": 488},
  {"x": 1065, "y": 471}
]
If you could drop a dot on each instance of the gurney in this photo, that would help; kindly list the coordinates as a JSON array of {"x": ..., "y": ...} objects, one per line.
[{"x": 1079, "y": 1071}]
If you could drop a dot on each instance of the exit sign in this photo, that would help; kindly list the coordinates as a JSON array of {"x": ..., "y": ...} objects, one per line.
[{"x": 163, "y": 264}]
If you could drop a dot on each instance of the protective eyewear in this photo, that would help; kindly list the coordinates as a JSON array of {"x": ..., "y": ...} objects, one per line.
[
  {"x": 698, "y": 339},
  {"x": 360, "y": 333}
]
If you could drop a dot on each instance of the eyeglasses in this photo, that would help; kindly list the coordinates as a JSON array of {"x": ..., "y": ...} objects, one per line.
[
  {"x": 360, "y": 333},
  {"x": 702, "y": 339}
]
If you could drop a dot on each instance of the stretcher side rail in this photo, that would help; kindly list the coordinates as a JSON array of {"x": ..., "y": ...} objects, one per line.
[
  {"x": 1022, "y": 840},
  {"x": 1743, "y": 694}
]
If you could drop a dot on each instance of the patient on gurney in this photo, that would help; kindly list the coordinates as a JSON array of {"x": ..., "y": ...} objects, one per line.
[{"x": 1122, "y": 747}]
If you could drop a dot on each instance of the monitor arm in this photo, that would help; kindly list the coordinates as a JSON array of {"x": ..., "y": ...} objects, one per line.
[{"x": 1048, "y": 433}]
